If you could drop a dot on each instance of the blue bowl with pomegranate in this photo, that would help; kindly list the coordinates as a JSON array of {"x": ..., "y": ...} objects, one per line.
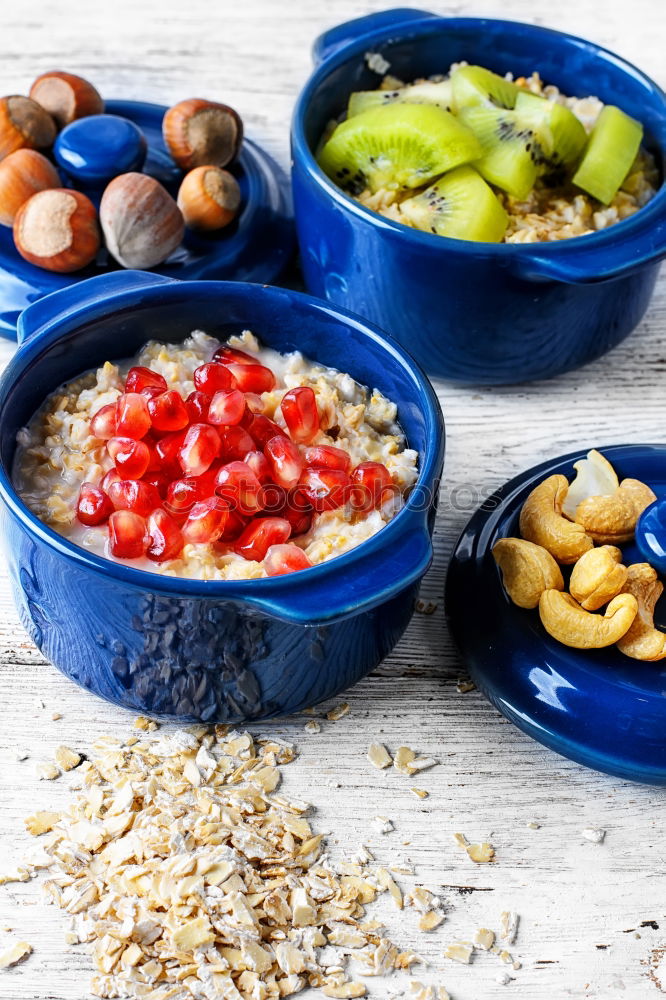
[
  {"x": 230, "y": 650},
  {"x": 480, "y": 313}
]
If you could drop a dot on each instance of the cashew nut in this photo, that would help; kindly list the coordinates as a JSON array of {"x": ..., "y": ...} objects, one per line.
[
  {"x": 541, "y": 522},
  {"x": 564, "y": 619},
  {"x": 643, "y": 641},
  {"x": 527, "y": 570},
  {"x": 613, "y": 518},
  {"x": 598, "y": 577},
  {"x": 595, "y": 476}
]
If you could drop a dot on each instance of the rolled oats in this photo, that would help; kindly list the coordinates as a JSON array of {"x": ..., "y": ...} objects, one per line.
[
  {"x": 379, "y": 756},
  {"x": 15, "y": 954}
]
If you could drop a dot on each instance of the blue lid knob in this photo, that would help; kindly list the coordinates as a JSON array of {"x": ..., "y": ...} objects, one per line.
[
  {"x": 651, "y": 535},
  {"x": 94, "y": 150}
]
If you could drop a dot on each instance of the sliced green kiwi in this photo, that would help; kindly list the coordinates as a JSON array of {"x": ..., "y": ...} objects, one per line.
[
  {"x": 476, "y": 85},
  {"x": 561, "y": 135},
  {"x": 428, "y": 92},
  {"x": 612, "y": 148},
  {"x": 512, "y": 155},
  {"x": 399, "y": 145},
  {"x": 460, "y": 205}
]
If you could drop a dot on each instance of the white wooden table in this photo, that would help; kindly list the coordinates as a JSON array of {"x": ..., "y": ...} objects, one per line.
[{"x": 593, "y": 917}]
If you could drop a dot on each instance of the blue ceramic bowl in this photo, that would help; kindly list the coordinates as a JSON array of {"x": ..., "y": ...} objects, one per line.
[
  {"x": 256, "y": 247},
  {"x": 229, "y": 650},
  {"x": 597, "y": 707},
  {"x": 475, "y": 313}
]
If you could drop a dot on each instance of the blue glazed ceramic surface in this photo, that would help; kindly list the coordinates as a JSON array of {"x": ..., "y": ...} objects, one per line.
[
  {"x": 256, "y": 247},
  {"x": 226, "y": 650},
  {"x": 651, "y": 535},
  {"x": 476, "y": 313},
  {"x": 597, "y": 707},
  {"x": 94, "y": 150}
]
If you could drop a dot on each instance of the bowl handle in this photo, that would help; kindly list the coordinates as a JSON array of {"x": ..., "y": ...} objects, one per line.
[
  {"x": 51, "y": 309},
  {"x": 344, "y": 34},
  {"x": 343, "y": 590}
]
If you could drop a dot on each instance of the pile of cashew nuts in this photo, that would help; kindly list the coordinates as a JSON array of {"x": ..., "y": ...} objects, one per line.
[{"x": 581, "y": 525}]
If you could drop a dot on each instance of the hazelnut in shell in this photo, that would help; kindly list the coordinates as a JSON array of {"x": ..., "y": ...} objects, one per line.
[
  {"x": 66, "y": 96},
  {"x": 199, "y": 133},
  {"x": 141, "y": 222},
  {"x": 24, "y": 124},
  {"x": 57, "y": 230},
  {"x": 22, "y": 174},
  {"x": 209, "y": 198}
]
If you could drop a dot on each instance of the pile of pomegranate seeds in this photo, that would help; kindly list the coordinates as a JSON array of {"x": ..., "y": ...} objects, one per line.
[{"x": 213, "y": 469}]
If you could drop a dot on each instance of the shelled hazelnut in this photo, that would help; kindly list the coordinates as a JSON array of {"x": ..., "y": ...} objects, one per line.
[
  {"x": 57, "y": 230},
  {"x": 22, "y": 174},
  {"x": 24, "y": 124},
  {"x": 141, "y": 222},
  {"x": 66, "y": 96},
  {"x": 209, "y": 198},
  {"x": 200, "y": 133}
]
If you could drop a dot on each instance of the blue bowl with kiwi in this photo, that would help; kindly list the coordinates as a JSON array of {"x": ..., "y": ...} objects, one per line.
[{"x": 500, "y": 232}]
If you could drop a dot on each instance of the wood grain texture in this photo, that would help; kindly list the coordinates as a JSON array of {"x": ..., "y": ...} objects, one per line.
[{"x": 587, "y": 910}]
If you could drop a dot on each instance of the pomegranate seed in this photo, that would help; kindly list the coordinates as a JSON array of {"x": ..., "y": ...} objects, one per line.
[
  {"x": 128, "y": 537},
  {"x": 131, "y": 457},
  {"x": 372, "y": 486},
  {"x": 211, "y": 377},
  {"x": 259, "y": 465},
  {"x": 185, "y": 492},
  {"x": 112, "y": 476},
  {"x": 237, "y": 484},
  {"x": 167, "y": 451},
  {"x": 159, "y": 481},
  {"x": 168, "y": 411},
  {"x": 129, "y": 494},
  {"x": 197, "y": 404},
  {"x": 325, "y": 456},
  {"x": 262, "y": 429},
  {"x": 206, "y": 521},
  {"x": 299, "y": 409},
  {"x": 226, "y": 353},
  {"x": 132, "y": 416},
  {"x": 235, "y": 442},
  {"x": 281, "y": 559},
  {"x": 234, "y": 528},
  {"x": 273, "y": 499},
  {"x": 285, "y": 460},
  {"x": 326, "y": 489},
  {"x": 255, "y": 403},
  {"x": 297, "y": 509},
  {"x": 200, "y": 449},
  {"x": 259, "y": 535},
  {"x": 251, "y": 377},
  {"x": 103, "y": 424},
  {"x": 166, "y": 538},
  {"x": 93, "y": 506},
  {"x": 142, "y": 379},
  {"x": 226, "y": 407}
]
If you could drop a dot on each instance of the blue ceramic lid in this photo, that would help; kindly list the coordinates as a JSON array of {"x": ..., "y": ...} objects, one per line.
[
  {"x": 597, "y": 707},
  {"x": 255, "y": 247}
]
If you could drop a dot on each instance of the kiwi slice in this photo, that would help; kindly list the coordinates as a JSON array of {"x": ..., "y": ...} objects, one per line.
[
  {"x": 476, "y": 85},
  {"x": 611, "y": 150},
  {"x": 399, "y": 145},
  {"x": 460, "y": 205},
  {"x": 428, "y": 92},
  {"x": 561, "y": 135},
  {"x": 512, "y": 154}
]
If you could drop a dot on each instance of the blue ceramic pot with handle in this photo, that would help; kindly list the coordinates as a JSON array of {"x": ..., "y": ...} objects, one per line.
[
  {"x": 471, "y": 312},
  {"x": 226, "y": 651}
]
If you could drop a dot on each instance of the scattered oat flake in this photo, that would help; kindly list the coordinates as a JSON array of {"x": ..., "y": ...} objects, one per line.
[
  {"x": 465, "y": 685},
  {"x": 67, "y": 759},
  {"x": 15, "y": 954},
  {"x": 344, "y": 990},
  {"x": 48, "y": 772},
  {"x": 420, "y": 793},
  {"x": 379, "y": 756},
  {"x": 426, "y": 607},
  {"x": 144, "y": 724},
  {"x": 484, "y": 939},
  {"x": 402, "y": 760},
  {"x": 387, "y": 883},
  {"x": 594, "y": 834},
  {"x": 338, "y": 713},
  {"x": 509, "y": 926},
  {"x": 422, "y": 764},
  {"x": 417, "y": 991},
  {"x": 41, "y": 822},
  {"x": 480, "y": 854},
  {"x": 312, "y": 726},
  {"x": 20, "y": 874},
  {"x": 533, "y": 825},
  {"x": 56, "y": 716},
  {"x": 460, "y": 951},
  {"x": 430, "y": 920},
  {"x": 382, "y": 824}
]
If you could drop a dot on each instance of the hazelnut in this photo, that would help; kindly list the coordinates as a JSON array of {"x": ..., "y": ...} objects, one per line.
[
  {"x": 57, "y": 230},
  {"x": 200, "y": 133},
  {"x": 209, "y": 198},
  {"x": 22, "y": 174},
  {"x": 66, "y": 97},
  {"x": 24, "y": 123},
  {"x": 140, "y": 220}
]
